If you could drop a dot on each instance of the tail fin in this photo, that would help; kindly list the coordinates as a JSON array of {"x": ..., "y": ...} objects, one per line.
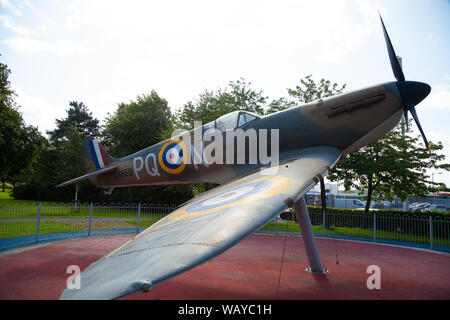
[
  {"x": 97, "y": 162},
  {"x": 95, "y": 156}
]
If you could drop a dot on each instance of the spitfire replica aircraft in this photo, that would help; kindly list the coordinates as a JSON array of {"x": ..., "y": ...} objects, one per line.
[{"x": 305, "y": 142}]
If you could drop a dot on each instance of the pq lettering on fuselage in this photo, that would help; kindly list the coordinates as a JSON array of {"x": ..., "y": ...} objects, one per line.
[{"x": 213, "y": 147}]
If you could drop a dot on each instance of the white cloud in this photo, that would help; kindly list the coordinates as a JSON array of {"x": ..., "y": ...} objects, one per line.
[
  {"x": 435, "y": 136},
  {"x": 26, "y": 4},
  {"x": 439, "y": 98},
  {"x": 6, "y": 4},
  {"x": 327, "y": 25},
  {"x": 73, "y": 17},
  {"x": 7, "y": 22},
  {"x": 37, "y": 111},
  {"x": 28, "y": 46},
  {"x": 340, "y": 33}
]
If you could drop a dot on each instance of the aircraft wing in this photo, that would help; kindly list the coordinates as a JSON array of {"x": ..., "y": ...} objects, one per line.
[{"x": 202, "y": 229}]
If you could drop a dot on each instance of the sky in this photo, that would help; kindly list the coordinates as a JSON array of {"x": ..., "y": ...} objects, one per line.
[{"x": 105, "y": 52}]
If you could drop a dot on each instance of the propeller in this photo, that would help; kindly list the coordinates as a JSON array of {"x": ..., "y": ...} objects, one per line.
[{"x": 411, "y": 92}]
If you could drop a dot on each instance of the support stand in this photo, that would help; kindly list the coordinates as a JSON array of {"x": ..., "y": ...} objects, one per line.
[
  {"x": 76, "y": 196},
  {"x": 308, "y": 237},
  {"x": 75, "y": 201}
]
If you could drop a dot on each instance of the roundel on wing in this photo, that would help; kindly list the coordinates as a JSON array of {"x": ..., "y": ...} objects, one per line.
[
  {"x": 229, "y": 196},
  {"x": 253, "y": 190},
  {"x": 172, "y": 157}
]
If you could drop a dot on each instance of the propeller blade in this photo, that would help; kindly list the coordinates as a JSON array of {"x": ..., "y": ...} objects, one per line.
[
  {"x": 416, "y": 119},
  {"x": 396, "y": 68},
  {"x": 405, "y": 115}
]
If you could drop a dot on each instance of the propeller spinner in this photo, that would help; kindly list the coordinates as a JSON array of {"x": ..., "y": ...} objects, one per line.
[{"x": 411, "y": 92}]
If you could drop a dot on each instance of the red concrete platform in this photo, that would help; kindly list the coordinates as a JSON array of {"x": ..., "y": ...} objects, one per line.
[{"x": 250, "y": 270}]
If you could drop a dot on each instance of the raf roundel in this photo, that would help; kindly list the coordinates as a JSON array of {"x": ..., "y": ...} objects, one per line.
[
  {"x": 172, "y": 157},
  {"x": 253, "y": 190}
]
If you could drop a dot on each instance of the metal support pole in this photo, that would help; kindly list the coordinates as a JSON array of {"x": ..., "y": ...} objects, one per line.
[
  {"x": 374, "y": 227},
  {"x": 308, "y": 237},
  {"x": 90, "y": 221},
  {"x": 38, "y": 223},
  {"x": 323, "y": 218},
  {"x": 431, "y": 233},
  {"x": 76, "y": 196},
  {"x": 276, "y": 224},
  {"x": 139, "y": 217}
]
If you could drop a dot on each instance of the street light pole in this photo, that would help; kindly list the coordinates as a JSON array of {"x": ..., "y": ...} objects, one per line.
[
  {"x": 405, "y": 205},
  {"x": 432, "y": 182}
]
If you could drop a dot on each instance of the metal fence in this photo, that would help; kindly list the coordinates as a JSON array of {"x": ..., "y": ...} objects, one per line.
[
  {"x": 41, "y": 223},
  {"x": 420, "y": 230},
  {"x": 38, "y": 223}
]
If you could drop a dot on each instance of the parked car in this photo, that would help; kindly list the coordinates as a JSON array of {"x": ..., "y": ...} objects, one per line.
[
  {"x": 413, "y": 205},
  {"x": 381, "y": 205},
  {"x": 349, "y": 204},
  {"x": 396, "y": 204},
  {"x": 286, "y": 214},
  {"x": 420, "y": 207}
]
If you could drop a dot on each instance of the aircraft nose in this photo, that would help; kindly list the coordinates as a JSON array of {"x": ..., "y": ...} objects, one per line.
[{"x": 413, "y": 92}]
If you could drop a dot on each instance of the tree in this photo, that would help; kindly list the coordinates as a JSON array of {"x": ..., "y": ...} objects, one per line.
[
  {"x": 137, "y": 125},
  {"x": 306, "y": 92},
  {"x": 18, "y": 142},
  {"x": 392, "y": 167},
  {"x": 210, "y": 105},
  {"x": 66, "y": 150},
  {"x": 60, "y": 159},
  {"x": 309, "y": 90},
  {"x": 78, "y": 116},
  {"x": 280, "y": 104},
  {"x": 7, "y": 94},
  {"x": 29, "y": 148}
]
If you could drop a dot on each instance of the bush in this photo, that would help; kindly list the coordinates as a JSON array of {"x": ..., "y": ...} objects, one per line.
[
  {"x": 6, "y": 186},
  {"x": 380, "y": 212},
  {"x": 170, "y": 194}
]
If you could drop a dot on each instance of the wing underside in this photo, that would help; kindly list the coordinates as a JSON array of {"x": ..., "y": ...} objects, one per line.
[{"x": 203, "y": 228}]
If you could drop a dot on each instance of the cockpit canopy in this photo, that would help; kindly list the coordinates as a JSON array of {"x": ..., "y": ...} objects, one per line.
[{"x": 235, "y": 119}]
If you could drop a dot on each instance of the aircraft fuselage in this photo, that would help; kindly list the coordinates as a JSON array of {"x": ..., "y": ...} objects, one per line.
[{"x": 346, "y": 121}]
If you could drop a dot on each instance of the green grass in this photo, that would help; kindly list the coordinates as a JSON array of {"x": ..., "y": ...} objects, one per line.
[
  {"x": 5, "y": 195},
  {"x": 21, "y": 229},
  {"x": 357, "y": 232},
  {"x": 142, "y": 224},
  {"x": 24, "y": 209},
  {"x": 11, "y": 202}
]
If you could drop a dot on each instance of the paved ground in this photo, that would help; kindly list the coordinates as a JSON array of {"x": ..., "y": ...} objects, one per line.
[{"x": 250, "y": 270}]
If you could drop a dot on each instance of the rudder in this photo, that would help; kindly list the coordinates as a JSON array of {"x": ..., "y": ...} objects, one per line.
[{"x": 95, "y": 156}]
